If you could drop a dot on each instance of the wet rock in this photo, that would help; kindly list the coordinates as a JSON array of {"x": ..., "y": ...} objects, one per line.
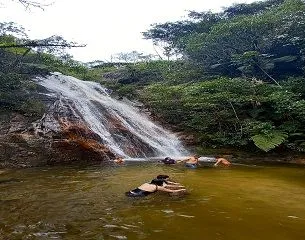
[
  {"x": 78, "y": 142},
  {"x": 62, "y": 134},
  {"x": 58, "y": 137},
  {"x": 15, "y": 149},
  {"x": 18, "y": 123}
]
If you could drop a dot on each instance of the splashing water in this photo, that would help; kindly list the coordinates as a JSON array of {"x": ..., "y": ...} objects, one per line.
[{"x": 122, "y": 127}]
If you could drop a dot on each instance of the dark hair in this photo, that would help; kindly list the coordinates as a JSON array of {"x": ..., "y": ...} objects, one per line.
[
  {"x": 158, "y": 182},
  {"x": 162, "y": 176},
  {"x": 167, "y": 158}
]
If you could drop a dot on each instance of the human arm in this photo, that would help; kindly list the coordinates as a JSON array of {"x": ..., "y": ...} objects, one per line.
[
  {"x": 183, "y": 160},
  {"x": 164, "y": 189},
  {"x": 217, "y": 162},
  {"x": 223, "y": 161},
  {"x": 173, "y": 186},
  {"x": 172, "y": 183}
]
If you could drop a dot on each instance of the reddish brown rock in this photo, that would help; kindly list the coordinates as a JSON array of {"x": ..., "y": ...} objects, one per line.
[
  {"x": 24, "y": 143},
  {"x": 78, "y": 142}
]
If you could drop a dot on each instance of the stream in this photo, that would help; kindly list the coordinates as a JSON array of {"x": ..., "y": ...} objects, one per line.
[{"x": 80, "y": 202}]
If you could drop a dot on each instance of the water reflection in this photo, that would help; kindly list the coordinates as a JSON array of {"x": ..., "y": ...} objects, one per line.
[{"x": 89, "y": 203}]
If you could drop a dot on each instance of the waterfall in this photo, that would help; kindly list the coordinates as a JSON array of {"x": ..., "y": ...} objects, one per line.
[{"x": 123, "y": 128}]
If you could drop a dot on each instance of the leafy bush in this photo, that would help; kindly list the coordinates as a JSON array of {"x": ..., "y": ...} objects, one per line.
[{"x": 230, "y": 112}]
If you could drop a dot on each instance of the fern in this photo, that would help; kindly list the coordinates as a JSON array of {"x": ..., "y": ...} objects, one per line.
[{"x": 266, "y": 142}]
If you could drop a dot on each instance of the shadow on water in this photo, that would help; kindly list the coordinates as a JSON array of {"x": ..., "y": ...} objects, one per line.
[
  {"x": 78, "y": 202},
  {"x": 10, "y": 180}
]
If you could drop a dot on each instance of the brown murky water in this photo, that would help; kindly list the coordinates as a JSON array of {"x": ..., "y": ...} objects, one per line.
[{"x": 240, "y": 202}]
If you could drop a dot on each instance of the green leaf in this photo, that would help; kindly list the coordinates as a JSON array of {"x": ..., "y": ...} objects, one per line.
[{"x": 270, "y": 141}]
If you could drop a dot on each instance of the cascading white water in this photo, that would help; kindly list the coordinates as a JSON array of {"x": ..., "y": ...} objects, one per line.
[{"x": 105, "y": 115}]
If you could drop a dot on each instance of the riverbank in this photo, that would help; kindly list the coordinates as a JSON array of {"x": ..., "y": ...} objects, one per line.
[{"x": 242, "y": 156}]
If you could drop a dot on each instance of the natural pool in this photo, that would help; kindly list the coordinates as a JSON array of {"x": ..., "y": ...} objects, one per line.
[{"x": 239, "y": 202}]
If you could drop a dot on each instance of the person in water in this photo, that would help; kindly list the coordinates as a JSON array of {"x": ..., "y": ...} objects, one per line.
[
  {"x": 222, "y": 161},
  {"x": 169, "y": 184},
  {"x": 191, "y": 162},
  {"x": 168, "y": 161},
  {"x": 119, "y": 160},
  {"x": 158, "y": 184}
]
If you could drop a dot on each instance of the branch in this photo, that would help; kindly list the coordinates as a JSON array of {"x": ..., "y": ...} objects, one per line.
[
  {"x": 27, "y": 4},
  {"x": 268, "y": 75},
  {"x": 154, "y": 46},
  {"x": 40, "y": 45},
  {"x": 241, "y": 127}
]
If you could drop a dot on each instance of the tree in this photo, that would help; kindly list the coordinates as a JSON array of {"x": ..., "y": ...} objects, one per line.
[
  {"x": 11, "y": 28},
  {"x": 29, "y": 4},
  {"x": 262, "y": 39},
  {"x": 14, "y": 36},
  {"x": 132, "y": 57},
  {"x": 21, "y": 58}
]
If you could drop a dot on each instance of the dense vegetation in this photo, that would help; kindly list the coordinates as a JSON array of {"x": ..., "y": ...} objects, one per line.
[
  {"x": 21, "y": 59},
  {"x": 238, "y": 81}
]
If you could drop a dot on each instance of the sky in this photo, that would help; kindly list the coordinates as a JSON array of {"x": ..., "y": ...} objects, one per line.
[{"x": 107, "y": 27}]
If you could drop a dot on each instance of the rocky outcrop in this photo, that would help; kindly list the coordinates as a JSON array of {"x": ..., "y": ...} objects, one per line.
[
  {"x": 80, "y": 123},
  {"x": 23, "y": 150},
  {"x": 78, "y": 143},
  {"x": 58, "y": 137}
]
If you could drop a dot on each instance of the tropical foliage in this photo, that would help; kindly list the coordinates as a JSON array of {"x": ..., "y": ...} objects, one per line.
[
  {"x": 21, "y": 59},
  {"x": 238, "y": 80},
  {"x": 234, "y": 112},
  {"x": 263, "y": 39},
  {"x": 241, "y": 80}
]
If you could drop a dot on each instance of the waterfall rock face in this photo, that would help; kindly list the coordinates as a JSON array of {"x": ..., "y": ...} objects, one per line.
[
  {"x": 82, "y": 123},
  {"x": 56, "y": 138},
  {"x": 121, "y": 127}
]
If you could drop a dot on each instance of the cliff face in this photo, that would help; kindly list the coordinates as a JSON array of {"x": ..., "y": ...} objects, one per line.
[
  {"x": 19, "y": 147},
  {"x": 57, "y": 137},
  {"x": 80, "y": 122}
]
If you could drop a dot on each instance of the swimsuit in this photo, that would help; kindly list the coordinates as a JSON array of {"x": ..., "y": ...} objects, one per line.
[
  {"x": 191, "y": 165},
  {"x": 169, "y": 161},
  {"x": 139, "y": 192}
]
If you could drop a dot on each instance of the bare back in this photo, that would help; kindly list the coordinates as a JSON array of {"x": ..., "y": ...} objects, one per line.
[
  {"x": 148, "y": 187},
  {"x": 192, "y": 160}
]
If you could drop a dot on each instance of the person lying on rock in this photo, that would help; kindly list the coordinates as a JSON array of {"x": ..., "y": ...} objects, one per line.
[{"x": 157, "y": 184}]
